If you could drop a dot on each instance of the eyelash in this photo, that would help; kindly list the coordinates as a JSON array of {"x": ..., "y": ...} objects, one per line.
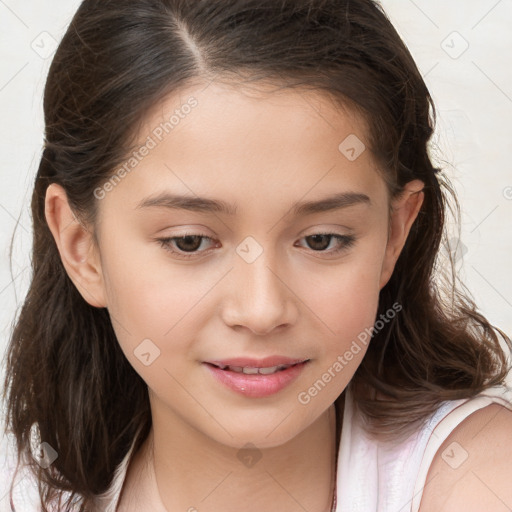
[{"x": 348, "y": 241}]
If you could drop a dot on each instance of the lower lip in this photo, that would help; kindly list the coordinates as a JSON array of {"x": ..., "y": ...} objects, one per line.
[{"x": 257, "y": 385}]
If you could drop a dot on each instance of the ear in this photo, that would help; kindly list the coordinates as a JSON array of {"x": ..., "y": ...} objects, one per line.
[
  {"x": 78, "y": 253},
  {"x": 403, "y": 213}
]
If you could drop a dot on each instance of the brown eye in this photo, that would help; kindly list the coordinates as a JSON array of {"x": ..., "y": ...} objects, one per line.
[
  {"x": 189, "y": 243},
  {"x": 186, "y": 246},
  {"x": 319, "y": 242}
]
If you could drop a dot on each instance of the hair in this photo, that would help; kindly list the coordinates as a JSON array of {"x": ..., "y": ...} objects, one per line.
[{"x": 66, "y": 373}]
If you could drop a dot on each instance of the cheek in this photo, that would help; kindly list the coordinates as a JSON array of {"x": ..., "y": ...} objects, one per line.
[
  {"x": 142, "y": 290},
  {"x": 148, "y": 316},
  {"x": 163, "y": 303},
  {"x": 149, "y": 303},
  {"x": 344, "y": 297}
]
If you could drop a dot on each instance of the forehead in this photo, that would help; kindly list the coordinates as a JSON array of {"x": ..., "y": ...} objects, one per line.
[
  {"x": 251, "y": 141},
  {"x": 262, "y": 110}
]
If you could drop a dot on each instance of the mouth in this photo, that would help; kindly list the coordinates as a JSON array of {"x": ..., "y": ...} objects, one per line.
[
  {"x": 252, "y": 370},
  {"x": 256, "y": 381}
]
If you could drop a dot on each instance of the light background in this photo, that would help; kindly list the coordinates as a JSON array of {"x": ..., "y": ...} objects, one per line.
[{"x": 471, "y": 87}]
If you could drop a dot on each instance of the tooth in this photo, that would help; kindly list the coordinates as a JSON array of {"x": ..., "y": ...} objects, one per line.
[
  {"x": 250, "y": 371},
  {"x": 267, "y": 371}
]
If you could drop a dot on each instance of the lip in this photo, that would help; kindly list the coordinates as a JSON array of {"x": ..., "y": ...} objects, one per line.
[
  {"x": 266, "y": 362},
  {"x": 257, "y": 385}
]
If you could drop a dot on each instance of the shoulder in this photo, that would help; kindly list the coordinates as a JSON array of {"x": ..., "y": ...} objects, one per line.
[{"x": 472, "y": 469}]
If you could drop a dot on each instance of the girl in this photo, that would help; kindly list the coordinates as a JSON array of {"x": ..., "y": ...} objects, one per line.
[{"x": 233, "y": 303}]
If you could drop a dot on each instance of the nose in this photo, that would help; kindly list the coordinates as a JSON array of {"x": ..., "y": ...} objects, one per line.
[{"x": 260, "y": 299}]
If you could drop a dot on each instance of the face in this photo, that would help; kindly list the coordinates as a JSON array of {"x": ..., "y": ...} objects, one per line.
[{"x": 278, "y": 271}]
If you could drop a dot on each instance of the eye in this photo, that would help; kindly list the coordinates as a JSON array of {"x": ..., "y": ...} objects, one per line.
[
  {"x": 318, "y": 242},
  {"x": 189, "y": 244}
]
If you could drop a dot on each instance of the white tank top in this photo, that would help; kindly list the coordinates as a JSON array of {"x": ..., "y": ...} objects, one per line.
[{"x": 373, "y": 477}]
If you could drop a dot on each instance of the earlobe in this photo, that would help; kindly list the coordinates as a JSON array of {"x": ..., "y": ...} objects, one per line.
[
  {"x": 405, "y": 209},
  {"x": 76, "y": 247}
]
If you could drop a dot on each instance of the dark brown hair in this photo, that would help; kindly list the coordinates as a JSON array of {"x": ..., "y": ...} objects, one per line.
[{"x": 65, "y": 370}]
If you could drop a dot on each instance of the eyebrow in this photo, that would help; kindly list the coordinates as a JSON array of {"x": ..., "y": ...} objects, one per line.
[{"x": 208, "y": 205}]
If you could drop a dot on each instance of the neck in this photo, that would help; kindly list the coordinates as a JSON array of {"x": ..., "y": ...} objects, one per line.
[{"x": 192, "y": 472}]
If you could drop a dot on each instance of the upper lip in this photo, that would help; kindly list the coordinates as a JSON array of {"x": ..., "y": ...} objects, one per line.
[{"x": 266, "y": 362}]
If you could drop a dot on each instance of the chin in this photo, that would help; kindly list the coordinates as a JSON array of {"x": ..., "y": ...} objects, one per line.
[{"x": 268, "y": 434}]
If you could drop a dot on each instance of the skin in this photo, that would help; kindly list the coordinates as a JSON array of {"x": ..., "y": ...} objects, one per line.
[
  {"x": 478, "y": 477},
  {"x": 263, "y": 152}
]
